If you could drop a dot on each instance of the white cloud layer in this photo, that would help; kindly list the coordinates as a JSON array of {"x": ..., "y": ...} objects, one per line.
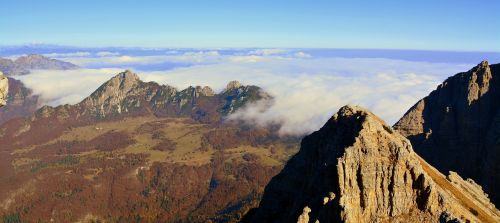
[
  {"x": 114, "y": 60},
  {"x": 64, "y": 55},
  {"x": 307, "y": 90},
  {"x": 57, "y": 87},
  {"x": 106, "y": 53}
]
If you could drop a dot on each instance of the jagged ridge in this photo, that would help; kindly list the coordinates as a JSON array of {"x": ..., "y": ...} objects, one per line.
[
  {"x": 457, "y": 127},
  {"x": 126, "y": 93}
]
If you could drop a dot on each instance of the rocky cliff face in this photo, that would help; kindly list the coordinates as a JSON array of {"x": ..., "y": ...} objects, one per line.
[
  {"x": 4, "y": 89},
  {"x": 357, "y": 169},
  {"x": 457, "y": 127},
  {"x": 24, "y": 64}
]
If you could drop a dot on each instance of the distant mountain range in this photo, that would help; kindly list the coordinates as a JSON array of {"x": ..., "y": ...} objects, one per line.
[
  {"x": 410, "y": 55},
  {"x": 22, "y": 65}
]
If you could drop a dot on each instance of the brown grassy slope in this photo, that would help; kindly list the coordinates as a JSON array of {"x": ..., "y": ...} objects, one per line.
[{"x": 114, "y": 171}]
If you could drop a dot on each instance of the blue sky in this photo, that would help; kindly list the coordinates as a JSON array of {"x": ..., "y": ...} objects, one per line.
[{"x": 456, "y": 25}]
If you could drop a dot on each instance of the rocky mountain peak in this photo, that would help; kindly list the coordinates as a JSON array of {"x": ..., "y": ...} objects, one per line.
[
  {"x": 233, "y": 85},
  {"x": 4, "y": 89},
  {"x": 126, "y": 76},
  {"x": 456, "y": 127},
  {"x": 357, "y": 169},
  {"x": 120, "y": 83},
  {"x": 479, "y": 83},
  {"x": 109, "y": 96},
  {"x": 361, "y": 114},
  {"x": 483, "y": 64}
]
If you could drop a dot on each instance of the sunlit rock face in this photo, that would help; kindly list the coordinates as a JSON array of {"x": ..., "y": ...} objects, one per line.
[
  {"x": 4, "y": 89},
  {"x": 358, "y": 169}
]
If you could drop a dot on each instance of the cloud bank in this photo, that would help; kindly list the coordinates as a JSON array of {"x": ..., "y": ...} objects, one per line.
[
  {"x": 307, "y": 90},
  {"x": 57, "y": 87}
]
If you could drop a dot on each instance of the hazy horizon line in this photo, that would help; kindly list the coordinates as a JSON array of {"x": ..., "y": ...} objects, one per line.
[{"x": 68, "y": 46}]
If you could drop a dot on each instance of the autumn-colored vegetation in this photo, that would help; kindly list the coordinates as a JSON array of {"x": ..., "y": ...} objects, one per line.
[{"x": 105, "y": 171}]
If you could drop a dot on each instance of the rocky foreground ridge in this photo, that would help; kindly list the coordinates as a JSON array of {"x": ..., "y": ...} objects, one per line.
[
  {"x": 357, "y": 169},
  {"x": 457, "y": 127}
]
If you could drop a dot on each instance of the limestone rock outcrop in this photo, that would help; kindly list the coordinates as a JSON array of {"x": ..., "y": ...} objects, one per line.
[
  {"x": 457, "y": 126},
  {"x": 4, "y": 89},
  {"x": 108, "y": 97},
  {"x": 358, "y": 169}
]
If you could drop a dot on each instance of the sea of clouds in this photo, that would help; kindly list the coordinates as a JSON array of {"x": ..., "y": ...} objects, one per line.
[{"x": 307, "y": 89}]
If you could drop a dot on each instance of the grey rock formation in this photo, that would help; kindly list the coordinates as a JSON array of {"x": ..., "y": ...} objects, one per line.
[
  {"x": 4, "y": 89},
  {"x": 457, "y": 127},
  {"x": 107, "y": 99},
  {"x": 357, "y": 169}
]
